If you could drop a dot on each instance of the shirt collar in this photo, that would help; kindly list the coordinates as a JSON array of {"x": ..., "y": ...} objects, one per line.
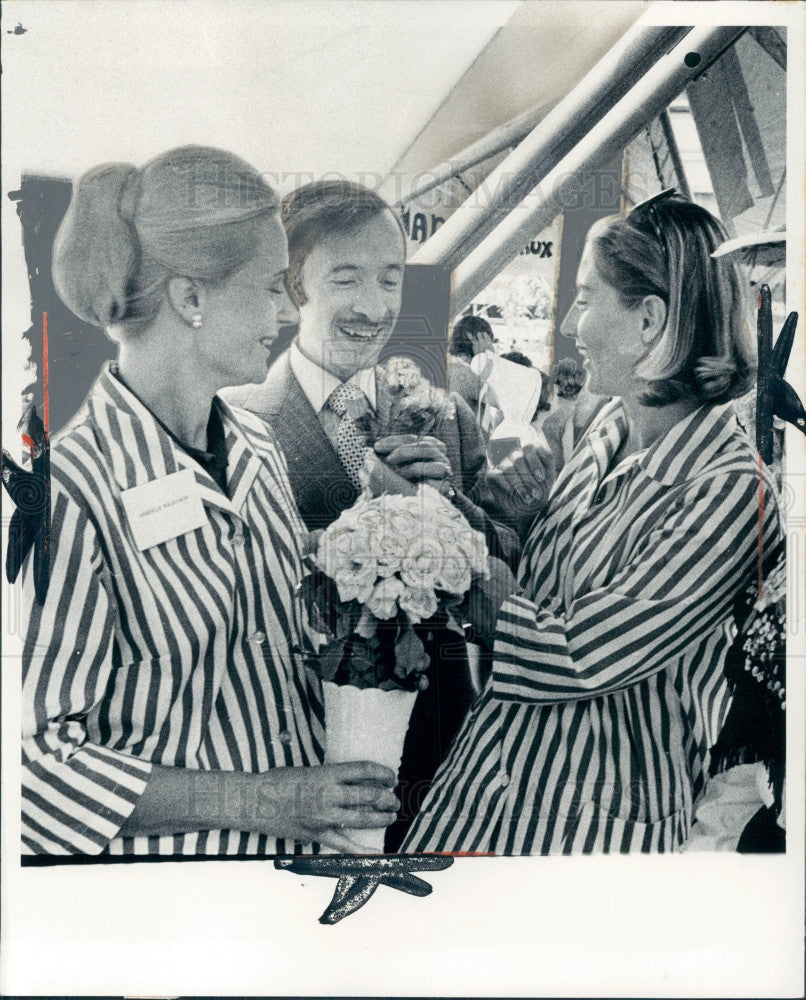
[
  {"x": 318, "y": 384},
  {"x": 678, "y": 455},
  {"x": 690, "y": 445},
  {"x": 139, "y": 449}
]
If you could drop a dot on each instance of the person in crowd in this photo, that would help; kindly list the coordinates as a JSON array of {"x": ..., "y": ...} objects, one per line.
[
  {"x": 607, "y": 690},
  {"x": 567, "y": 419},
  {"x": 471, "y": 335},
  {"x": 346, "y": 262},
  {"x": 543, "y": 404},
  {"x": 165, "y": 705}
]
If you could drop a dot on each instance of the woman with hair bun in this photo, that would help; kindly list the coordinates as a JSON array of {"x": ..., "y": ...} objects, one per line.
[
  {"x": 166, "y": 704},
  {"x": 607, "y": 688}
]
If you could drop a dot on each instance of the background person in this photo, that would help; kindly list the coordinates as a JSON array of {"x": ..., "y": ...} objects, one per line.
[
  {"x": 471, "y": 335},
  {"x": 165, "y": 707},
  {"x": 607, "y": 690}
]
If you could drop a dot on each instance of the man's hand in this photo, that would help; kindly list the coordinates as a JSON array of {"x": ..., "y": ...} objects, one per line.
[
  {"x": 384, "y": 480},
  {"x": 418, "y": 460}
]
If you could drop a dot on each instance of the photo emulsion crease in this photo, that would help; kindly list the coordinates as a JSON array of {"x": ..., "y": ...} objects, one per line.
[{"x": 405, "y": 473}]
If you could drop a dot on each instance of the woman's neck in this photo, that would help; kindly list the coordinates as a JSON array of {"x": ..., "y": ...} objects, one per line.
[
  {"x": 174, "y": 393},
  {"x": 648, "y": 423}
]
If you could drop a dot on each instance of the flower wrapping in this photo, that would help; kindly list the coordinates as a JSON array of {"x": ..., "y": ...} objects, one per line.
[{"x": 366, "y": 724}]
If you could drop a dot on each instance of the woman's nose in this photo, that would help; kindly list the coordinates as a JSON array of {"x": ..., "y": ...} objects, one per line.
[{"x": 568, "y": 327}]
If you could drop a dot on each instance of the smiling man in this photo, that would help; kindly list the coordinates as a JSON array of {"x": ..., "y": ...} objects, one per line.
[{"x": 345, "y": 275}]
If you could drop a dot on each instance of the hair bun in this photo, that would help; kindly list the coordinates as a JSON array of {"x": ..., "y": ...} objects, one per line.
[{"x": 96, "y": 249}]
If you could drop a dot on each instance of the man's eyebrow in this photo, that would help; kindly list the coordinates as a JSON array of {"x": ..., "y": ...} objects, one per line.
[{"x": 280, "y": 275}]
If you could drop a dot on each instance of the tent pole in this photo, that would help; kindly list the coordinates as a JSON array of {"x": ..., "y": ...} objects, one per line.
[
  {"x": 558, "y": 188},
  {"x": 504, "y": 137},
  {"x": 565, "y": 125}
]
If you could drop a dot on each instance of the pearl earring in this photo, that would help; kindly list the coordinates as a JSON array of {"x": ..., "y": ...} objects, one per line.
[{"x": 196, "y": 321}]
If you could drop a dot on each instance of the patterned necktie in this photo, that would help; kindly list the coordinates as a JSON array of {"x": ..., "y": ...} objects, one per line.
[{"x": 351, "y": 444}]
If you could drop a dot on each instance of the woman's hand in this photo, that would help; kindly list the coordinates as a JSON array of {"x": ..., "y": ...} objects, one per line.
[
  {"x": 416, "y": 459},
  {"x": 302, "y": 804},
  {"x": 326, "y": 802},
  {"x": 522, "y": 482},
  {"x": 486, "y": 597}
]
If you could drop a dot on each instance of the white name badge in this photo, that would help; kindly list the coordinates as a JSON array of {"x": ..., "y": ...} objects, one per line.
[{"x": 164, "y": 508}]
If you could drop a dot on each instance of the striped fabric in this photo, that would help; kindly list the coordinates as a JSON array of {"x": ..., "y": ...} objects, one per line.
[
  {"x": 179, "y": 655},
  {"x": 592, "y": 734}
]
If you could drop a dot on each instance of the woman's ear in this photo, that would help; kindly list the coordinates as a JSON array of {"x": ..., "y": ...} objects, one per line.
[
  {"x": 186, "y": 297},
  {"x": 653, "y": 318}
]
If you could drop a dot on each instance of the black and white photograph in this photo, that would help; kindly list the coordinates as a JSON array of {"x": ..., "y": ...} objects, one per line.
[{"x": 404, "y": 451}]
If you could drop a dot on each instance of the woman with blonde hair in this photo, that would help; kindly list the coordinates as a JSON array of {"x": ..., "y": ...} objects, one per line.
[
  {"x": 166, "y": 704},
  {"x": 607, "y": 689}
]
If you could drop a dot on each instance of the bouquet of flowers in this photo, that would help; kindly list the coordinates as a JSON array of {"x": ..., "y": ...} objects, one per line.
[
  {"x": 387, "y": 569},
  {"x": 387, "y": 572}
]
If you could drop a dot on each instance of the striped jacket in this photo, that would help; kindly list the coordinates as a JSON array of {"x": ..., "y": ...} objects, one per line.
[
  {"x": 181, "y": 654},
  {"x": 607, "y": 690}
]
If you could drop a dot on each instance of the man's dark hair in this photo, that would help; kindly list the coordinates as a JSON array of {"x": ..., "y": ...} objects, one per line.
[
  {"x": 316, "y": 210},
  {"x": 519, "y": 358},
  {"x": 464, "y": 332}
]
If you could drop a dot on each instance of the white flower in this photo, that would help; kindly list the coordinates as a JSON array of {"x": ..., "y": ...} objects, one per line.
[
  {"x": 383, "y": 600},
  {"x": 388, "y": 549},
  {"x": 402, "y": 373},
  {"x": 335, "y": 548},
  {"x": 355, "y": 577},
  {"x": 454, "y": 574},
  {"x": 473, "y": 547},
  {"x": 422, "y": 562},
  {"x": 418, "y": 603},
  {"x": 404, "y": 520}
]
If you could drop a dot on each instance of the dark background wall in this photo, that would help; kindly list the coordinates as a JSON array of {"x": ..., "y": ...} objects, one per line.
[{"x": 76, "y": 350}]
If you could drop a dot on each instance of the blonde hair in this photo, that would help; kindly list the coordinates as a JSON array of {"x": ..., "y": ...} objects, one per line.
[
  {"x": 706, "y": 350},
  {"x": 194, "y": 211}
]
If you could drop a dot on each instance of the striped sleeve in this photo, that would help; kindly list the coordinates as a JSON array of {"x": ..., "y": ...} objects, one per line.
[
  {"x": 75, "y": 795},
  {"x": 675, "y": 590}
]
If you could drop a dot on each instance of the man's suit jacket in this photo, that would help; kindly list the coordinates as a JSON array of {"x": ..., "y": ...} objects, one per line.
[
  {"x": 464, "y": 381},
  {"x": 321, "y": 486}
]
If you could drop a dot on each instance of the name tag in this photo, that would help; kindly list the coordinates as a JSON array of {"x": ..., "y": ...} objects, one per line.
[{"x": 164, "y": 508}]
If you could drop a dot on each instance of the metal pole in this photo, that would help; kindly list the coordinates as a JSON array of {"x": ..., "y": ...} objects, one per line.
[
  {"x": 562, "y": 184},
  {"x": 504, "y": 137},
  {"x": 579, "y": 111}
]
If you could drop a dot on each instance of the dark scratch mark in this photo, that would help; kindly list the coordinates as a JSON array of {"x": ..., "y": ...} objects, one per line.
[{"x": 18, "y": 30}]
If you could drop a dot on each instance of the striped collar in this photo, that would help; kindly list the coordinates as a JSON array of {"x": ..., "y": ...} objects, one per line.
[
  {"x": 678, "y": 455},
  {"x": 139, "y": 450}
]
